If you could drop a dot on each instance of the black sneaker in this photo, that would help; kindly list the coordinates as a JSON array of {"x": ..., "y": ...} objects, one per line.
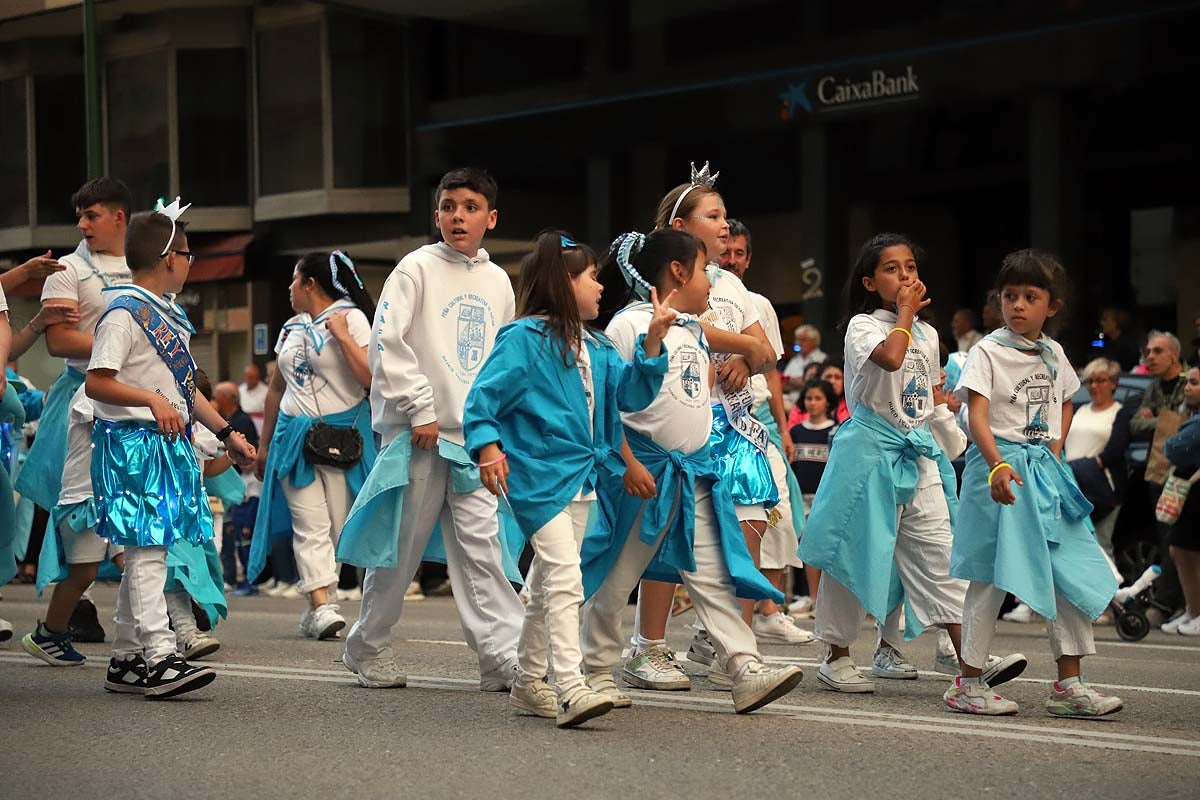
[
  {"x": 84, "y": 625},
  {"x": 173, "y": 676},
  {"x": 126, "y": 677}
]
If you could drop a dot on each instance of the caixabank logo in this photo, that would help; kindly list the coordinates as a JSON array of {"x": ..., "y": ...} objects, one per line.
[{"x": 845, "y": 92}]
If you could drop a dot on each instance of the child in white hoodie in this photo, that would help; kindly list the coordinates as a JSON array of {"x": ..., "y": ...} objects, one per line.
[{"x": 437, "y": 318}]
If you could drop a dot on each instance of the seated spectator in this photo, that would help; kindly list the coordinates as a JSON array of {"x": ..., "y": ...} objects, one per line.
[
  {"x": 962, "y": 325},
  {"x": 1183, "y": 451},
  {"x": 831, "y": 373},
  {"x": 1096, "y": 445},
  {"x": 808, "y": 351}
]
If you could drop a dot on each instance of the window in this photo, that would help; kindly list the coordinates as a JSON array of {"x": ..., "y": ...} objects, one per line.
[
  {"x": 289, "y": 109},
  {"x": 14, "y": 157},
  {"x": 60, "y": 124},
  {"x": 214, "y": 151},
  {"x": 137, "y": 126},
  {"x": 367, "y": 64}
]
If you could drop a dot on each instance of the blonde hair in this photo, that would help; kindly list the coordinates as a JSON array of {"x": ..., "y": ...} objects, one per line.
[
  {"x": 1099, "y": 365},
  {"x": 663, "y": 218}
]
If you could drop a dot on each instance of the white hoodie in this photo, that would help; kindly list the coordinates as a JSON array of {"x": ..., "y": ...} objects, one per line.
[{"x": 438, "y": 316}]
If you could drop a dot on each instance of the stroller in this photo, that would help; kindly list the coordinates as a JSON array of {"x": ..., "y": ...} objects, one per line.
[{"x": 1129, "y": 606}]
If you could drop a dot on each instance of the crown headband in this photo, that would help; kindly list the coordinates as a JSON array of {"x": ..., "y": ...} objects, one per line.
[
  {"x": 568, "y": 243},
  {"x": 171, "y": 212},
  {"x": 334, "y": 257},
  {"x": 626, "y": 247},
  {"x": 701, "y": 178}
]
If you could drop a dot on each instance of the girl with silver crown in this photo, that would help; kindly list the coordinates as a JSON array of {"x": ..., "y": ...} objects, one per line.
[{"x": 321, "y": 383}]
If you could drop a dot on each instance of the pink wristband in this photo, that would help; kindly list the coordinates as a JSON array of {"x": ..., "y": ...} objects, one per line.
[{"x": 503, "y": 456}]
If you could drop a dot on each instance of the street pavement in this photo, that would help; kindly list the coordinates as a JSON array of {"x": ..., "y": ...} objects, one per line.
[{"x": 284, "y": 719}]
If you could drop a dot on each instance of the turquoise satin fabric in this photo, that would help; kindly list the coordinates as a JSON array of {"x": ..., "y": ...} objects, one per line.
[
  {"x": 40, "y": 478},
  {"x": 744, "y": 467},
  {"x": 147, "y": 489},
  {"x": 229, "y": 487},
  {"x": 795, "y": 496}
]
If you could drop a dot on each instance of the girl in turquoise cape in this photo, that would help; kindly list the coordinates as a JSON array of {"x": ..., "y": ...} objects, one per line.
[
  {"x": 1023, "y": 521},
  {"x": 540, "y": 419}
]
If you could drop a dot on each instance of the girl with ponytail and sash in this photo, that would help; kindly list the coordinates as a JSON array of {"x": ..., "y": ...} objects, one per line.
[
  {"x": 880, "y": 524},
  {"x": 541, "y": 419},
  {"x": 322, "y": 377},
  {"x": 670, "y": 516},
  {"x": 1023, "y": 524}
]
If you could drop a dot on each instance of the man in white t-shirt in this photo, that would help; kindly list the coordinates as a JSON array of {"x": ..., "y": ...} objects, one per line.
[
  {"x": 253, "y": 394},
  {"x": 808, "y": 340}
]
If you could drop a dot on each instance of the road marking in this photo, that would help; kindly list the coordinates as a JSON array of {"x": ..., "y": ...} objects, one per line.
[{"x": 712, "y": 702}]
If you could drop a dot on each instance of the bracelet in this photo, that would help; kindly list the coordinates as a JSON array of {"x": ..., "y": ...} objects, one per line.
[
  {"x": 992, "y": 474},
  {"x": 902, "y": 330},
  {"x": 503, "y": 457},
  {"x": 223, "y": 434}
]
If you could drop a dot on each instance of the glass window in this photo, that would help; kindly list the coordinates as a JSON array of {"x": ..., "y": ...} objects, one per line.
[
  {"x": 214, "y": 131},
  {"x": 137, "y": 126},
  {"x": 60, "y": 130},
  {"x": 368, "y": 102},
  {"x": 14, "y": 177},
  {"x": 289, "y": 109}
]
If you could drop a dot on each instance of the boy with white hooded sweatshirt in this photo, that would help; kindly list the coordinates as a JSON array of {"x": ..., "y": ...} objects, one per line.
[{"x": 437, "y": 318}]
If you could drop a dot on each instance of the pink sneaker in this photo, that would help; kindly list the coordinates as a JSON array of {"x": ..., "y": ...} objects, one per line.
[{"x": 976, "y": 698}]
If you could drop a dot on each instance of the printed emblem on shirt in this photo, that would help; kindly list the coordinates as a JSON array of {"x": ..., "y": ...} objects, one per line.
[
  {"x": 303, "y": 372},
  {"x": 812, "y": 452},
  {"x": 915, "y": 396},
  {"x": 693, "y": 370},
  {"x": 1038, "y": 399},
  {"x": 473, "y": 318},
  {"x": 721, "y": 316}
]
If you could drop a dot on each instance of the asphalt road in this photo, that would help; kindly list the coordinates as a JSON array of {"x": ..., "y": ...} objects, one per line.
[{"x": 284, "y": 719}]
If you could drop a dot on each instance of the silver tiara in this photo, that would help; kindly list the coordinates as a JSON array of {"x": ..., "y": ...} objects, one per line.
[{"x": 701, "y": 178}]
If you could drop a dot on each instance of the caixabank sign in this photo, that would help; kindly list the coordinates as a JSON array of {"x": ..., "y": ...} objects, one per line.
[{"x": 846, "y": 92}]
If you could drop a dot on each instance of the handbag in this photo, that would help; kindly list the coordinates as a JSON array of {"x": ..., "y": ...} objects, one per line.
[
  {"x": 1167, "y": 426},
  {"x": 1174, "y": 495},
  {"x": 332, "y": 445}
]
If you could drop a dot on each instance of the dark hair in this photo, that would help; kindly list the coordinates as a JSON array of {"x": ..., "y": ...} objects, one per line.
[
  {"x": 146, "y": 236},
  {"x": 816, "y": 367},
  {"x": 855, "y": 297},
  {"x": 106, "y": 191},
  {"x": 826, "y": 388},
  {"x": 660, "y": 248},
  {"x": 473, "y": 178},
  {"x": 316, "y": 265},
  {"x": 544, "y": 288},
  {"x": 738, "y": 228},
  {"x": 1033, "y": 268},
  {"x": 663, "y": 218},
  {"x": 840, "y": 366},
  {"x": 203, "y": 384}
]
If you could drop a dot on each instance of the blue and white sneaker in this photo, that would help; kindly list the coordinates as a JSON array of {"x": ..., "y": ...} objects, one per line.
[{"x": 53, "y": 648}]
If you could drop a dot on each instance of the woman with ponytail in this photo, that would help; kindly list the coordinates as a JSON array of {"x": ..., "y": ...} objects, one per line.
[{"x": 323, "y": 377}]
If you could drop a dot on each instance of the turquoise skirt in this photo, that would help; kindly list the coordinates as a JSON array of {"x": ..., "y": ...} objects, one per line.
[{"x": 743, "y": 468}]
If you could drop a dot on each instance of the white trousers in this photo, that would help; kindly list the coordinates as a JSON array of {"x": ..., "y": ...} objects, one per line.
[
  {"x": 179, "y": 611},
  {"x": 922, "y": 557},
  {"x": 551, "y": 630},
  {"x": 710, "y": 588},
  {"x": 142, "y": 625},
  {"x": 780, "y": 541},
  {"x": 1070, "y": 631},
  {"x": 318, "y": 512},
  {"x": 489, "y": 609},
  {"x": 890, "y": 632}
]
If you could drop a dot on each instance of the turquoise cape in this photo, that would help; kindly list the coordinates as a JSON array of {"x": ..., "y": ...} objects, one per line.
[
  {"x": 12, "y": 414},
  {"x": 41, "y": 477},
  {"x": 795, "y": 496}
]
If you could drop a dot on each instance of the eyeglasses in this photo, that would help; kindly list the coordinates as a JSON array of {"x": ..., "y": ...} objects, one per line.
[{"x": 191, "y": 258}]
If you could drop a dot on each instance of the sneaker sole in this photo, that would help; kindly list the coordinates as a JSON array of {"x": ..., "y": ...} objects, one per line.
[
  {"x": 895, "y": 676},
  {"x": 331, "y": 630},
  {"x": 46, "y": 658},
  {"x": 197, "y": 680},
  {"x": 700, "y": 658},
  {"x": 772, "y": 693},
  {"x": 202, "y": 651},
  {"x": 1085, "y": 716},
  {"x": 767, "y": 639},
  {"x": 526, "y": 708},
  {"x": 845, "y": 688},
  {"x": 1006, "y": 670},
  {"x": 598, "y": 710},
  {"x": 5, "y": 635},
  {"x": 975, "y": 712},
  {"x": 123, "y": 688},
  {"x": 661, "y": 686}
]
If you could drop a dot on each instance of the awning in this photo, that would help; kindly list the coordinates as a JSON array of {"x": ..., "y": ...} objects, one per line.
[{"x": 220, "y": 259}]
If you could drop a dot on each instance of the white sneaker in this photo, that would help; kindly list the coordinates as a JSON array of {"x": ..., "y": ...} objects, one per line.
[
  {"x": 701, "y": 649},
  {"x": 1002, "y": 669},
  {"x": 1173, "y": 626},
  {"x": 377, "y": 673},
  {"x": 6, "y": 630},
  {"x": 580, "y": 706},
  {"x": 1189, "y": 628},
  {"x": 778, "y": 628},
  {"x": 413, "y": 592},
  {"x": 198, "y": 645},
  {"x": 322, "y": 622},
  {"x": 1081, "y": 700},
  {"x": 758, "y": 684},
  {"x": 352, "y": 595},
  {"x": 718, "y": 677},
  {"x": 974, "y": 697},
  {"x": 841, "y": 675},
  {"x": 604, "y": 683},
  {"x": 801, "y": 607},
  {"x": 655, "y": 668},
  {"x": 536, "y": 698},
  {"x": 889, "y": 663},
  {"x": 290, "y": 592},
  {"x": 1022, "y": 613},
  {"x": 499, "y": 680}
]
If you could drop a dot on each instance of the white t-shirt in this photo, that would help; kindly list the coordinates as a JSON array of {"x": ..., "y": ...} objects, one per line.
[
  {"x": 253, "y": 402},
  {"x": 315, "y": 370},
  {"x": 1090, "y": 431},
  {"x": 770, "y": 323},
  {"x": 1025, "y": 401},
  {"x": 583, "y": 362},
  {"x": 77, "y": 469},
  {"x": 122, "y": 345},
  {"x": 729, "y": 304},
  {"x": 3, "y": 300},
  {"x": 79, "y": 282},
  {"x": 680, "y": 417},
  {"x": 904, "y": 397}
]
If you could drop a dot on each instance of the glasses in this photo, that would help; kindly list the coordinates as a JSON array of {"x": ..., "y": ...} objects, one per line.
[{"x": 191, "y": 258}]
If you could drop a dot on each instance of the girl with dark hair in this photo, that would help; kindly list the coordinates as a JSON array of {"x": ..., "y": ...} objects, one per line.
[
  {"x": 541, "y": 418},
  {"x": 671, "y": 516},
  {"x": 879, "y": 529},
  {"x": 1024, "y": 522},
  {"x": 322, "y": 377}
]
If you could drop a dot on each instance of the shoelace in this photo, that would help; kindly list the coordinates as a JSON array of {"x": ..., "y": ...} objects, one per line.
[{"x": 662, "y": 658}]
